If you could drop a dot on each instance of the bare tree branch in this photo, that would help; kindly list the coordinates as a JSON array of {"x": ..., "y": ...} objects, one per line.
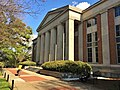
[{"x": 13, "y": 8}]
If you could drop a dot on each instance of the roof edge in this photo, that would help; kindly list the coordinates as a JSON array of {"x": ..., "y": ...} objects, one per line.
[{"x": 94, "y": 5}]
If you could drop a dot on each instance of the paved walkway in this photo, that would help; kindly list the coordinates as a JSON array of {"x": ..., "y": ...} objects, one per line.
[{"x": 32, "y": 81}]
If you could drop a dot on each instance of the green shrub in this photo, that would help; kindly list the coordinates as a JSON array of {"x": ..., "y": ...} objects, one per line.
[
  {"x": 75, "y": 67},
  {"x": 4, "y": 85},
  {"x": 2, "y": 64},
  {"x": 27, "y": 63}
]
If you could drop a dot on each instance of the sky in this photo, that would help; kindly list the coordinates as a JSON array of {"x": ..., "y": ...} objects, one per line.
[{"x": 48, "y": 5}]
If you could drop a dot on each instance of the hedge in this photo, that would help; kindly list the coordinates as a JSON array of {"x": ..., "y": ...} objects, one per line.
[
  {"x": 68, "y": 66},
  {"x": 27, "y": 63}
]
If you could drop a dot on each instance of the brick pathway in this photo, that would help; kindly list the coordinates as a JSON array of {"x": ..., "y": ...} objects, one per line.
[
  {"x": 26, "y": 76},
  {"x": 43, "y": 82},
  {"x": 31, "y": 81},
  {"x": 14, "y": 71},
  {"x": 32, "y": 78}
]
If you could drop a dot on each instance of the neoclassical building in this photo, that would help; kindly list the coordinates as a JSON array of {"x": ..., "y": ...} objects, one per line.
[{"x": 91, "y": 35}]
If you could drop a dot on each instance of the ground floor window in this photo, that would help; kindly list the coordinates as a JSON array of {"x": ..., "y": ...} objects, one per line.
[
  {"x": 118, "y": 42},
  {"x": 92, "y": 47},
  {"x": 96, "y": 51},
  {"x": 118, "y": 52},
  {"x": 89, "y": 54}
]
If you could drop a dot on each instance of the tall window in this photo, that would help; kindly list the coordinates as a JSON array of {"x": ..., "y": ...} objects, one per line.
[
  {"x": 92, "y": 47},
  {"x": 96, "y": 46},
  {"x": 118, "y": 42},
  {"x": 89, "y": 45},
  {"x": 117, "y": 11}
]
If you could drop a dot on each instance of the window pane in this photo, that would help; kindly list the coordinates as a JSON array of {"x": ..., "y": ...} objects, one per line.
[
  {"x": 88, "y": 23},
  {"x": 118, "y": 52},
  {"x": 118, "y": 59},
  {"x": 117, "y": 30},
  {"x": 117, "y": 11},
  {"x": 117, "y": 33},
  {"x": 89, "y": 54},
  {"x": 89, "y": 44},
  {"x": 96, "y": 43},
  {"x": 96, "y": 49},
  {"x": 94, "y": 21},
  {"x": 89, "y": 37},
  {"x": 118, "y": 39},
  {"x": 117, "y": 27},
  {"x": 96, "y": 37},
  {"x": 89, "y": 59}
]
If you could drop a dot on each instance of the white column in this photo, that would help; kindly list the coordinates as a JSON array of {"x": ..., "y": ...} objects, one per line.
[
  {"x": 38, "y": 50},
  {"x": 52, "y": 44},
  {"x": 80, "y": 41},
  {"x": 46, "y": 53},
  {"x": 42, "y": 49},
  {"x": 70, "y": 39},
  {"x": 60, "y": 30},
  {"x": 105, "y": 39}
]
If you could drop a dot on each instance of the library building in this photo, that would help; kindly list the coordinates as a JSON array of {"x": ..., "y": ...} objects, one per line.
[{"x": 91, "y": 35}]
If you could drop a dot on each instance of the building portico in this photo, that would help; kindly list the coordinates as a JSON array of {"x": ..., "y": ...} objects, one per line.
[{"x": 56, "y": 36}]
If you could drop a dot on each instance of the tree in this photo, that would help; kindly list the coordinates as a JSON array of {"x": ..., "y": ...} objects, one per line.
[
  {"x": 10, "y": 9},
  {"x": 14, "y": 41},
  {"x": 14, "y": 34}
]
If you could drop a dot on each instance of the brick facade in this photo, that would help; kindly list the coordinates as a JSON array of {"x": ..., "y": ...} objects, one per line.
[
  {"x": 111, "y": 30},
  {"x": 84, "y": 42},
  {"x": 100, "y": 58}
]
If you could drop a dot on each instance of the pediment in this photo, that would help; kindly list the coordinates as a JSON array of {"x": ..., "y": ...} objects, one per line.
[{"x": 52, "y": 15}]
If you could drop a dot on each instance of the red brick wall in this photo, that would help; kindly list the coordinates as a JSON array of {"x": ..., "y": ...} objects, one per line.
[
  {"x": 84, "y": 42},
  {"x": 100, "y": 58},
  {"x": 111, "y": 30}
]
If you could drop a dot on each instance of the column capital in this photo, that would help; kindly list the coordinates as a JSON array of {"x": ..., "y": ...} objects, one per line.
[
  {"x": 60, "y": 24},
  {"x": 70, "y": 18},
  {"x": 52, "y": 28}
]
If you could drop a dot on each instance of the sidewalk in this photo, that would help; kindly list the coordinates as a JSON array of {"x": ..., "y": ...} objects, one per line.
[{"x": 32, "y": 81}]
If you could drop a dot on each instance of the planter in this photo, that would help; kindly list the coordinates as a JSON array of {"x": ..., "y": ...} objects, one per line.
[
  {"x": 51, "y": 73},
  {"x": 59, "y": 74}
]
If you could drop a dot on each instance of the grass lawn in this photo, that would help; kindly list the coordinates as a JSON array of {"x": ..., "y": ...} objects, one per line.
[{"x": 4, "y": 85}]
